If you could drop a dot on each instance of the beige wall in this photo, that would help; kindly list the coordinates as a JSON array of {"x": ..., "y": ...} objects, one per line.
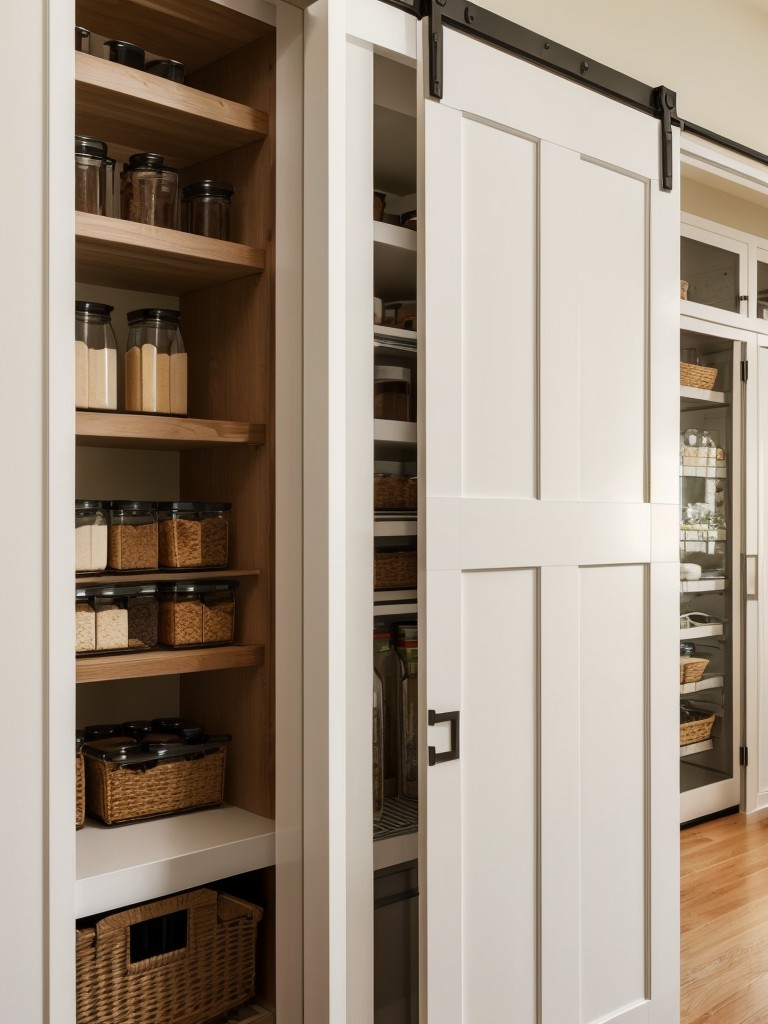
[{"x": 714, "y": 53}]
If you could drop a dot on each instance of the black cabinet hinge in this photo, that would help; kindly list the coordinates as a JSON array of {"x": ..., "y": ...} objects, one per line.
[
  {"x": 744, "y": 370},
  {"x": 744, "y": 756}
]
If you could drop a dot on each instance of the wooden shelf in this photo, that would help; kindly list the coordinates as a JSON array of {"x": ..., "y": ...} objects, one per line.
[
  {"x": 144, "y": 113},
  {"x": 163, "y": 576},
  {"x": 149, "y": 859},
  {"x": 162, "y": 662},
  {"x": 168, "y": 433},
  {"x": 123, "y": 254},
  {"x": 196, "y": 32}
]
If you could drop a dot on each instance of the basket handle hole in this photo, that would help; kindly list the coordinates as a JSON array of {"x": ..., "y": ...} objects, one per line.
[{"x": 159, "y": 935}]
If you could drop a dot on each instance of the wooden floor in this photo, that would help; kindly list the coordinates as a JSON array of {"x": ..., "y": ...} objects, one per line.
[{"x": 724, "y": 922}]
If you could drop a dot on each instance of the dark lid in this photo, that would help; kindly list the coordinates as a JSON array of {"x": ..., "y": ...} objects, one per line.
[
  {"x": 173, "y": 70},
  {"x": 170, "y": 316},
  {"x": 189, "y": 731},
  {"x": 130, "y": 506},
  {"x": 146, "y": 161},
  {"x": 83, "y": 504},
  {"x": 88, "y": 146},
  {"x": 79, "y": 739},
  {"x": 193, "y": 506},
  {"x": 215, "y": 189},
  {"x": 197, "y": 587},
  {"x": 131, "y": 752},
  {"x": 119, "y": 590},
  {"x": 125, "y": 53},
  {"x": 100, "y": 732},
  {"x": 99, "y": 308},
  {"x": 139, "y": 729}
]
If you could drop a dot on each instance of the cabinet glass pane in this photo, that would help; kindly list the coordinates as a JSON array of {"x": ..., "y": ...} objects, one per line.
[
  {"x": 712, "y": 274},
  {"x": 762, "y": 290},
  {"x": 708, "y": 449}
]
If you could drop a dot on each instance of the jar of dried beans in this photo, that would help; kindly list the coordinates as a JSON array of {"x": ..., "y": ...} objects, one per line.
[
  {"x": 193, "y": 534},
  {"x": 155, "y": 363},
  {"x": 197, "y": 614},
  {"x": 95, "y": 357},
  {"x": 132, "y": 538},
  {"x": 149, "y": 191},
  {"x": 90, "y": 537}
]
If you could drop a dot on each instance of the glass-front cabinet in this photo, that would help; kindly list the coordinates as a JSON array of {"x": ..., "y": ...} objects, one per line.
[
  {"x": 711, "y": 484},
  {"x": 714, "y": 272}
]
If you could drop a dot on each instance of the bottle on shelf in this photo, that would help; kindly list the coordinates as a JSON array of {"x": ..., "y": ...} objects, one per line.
[
  {"x": 408, "y": 649},
  {"x": 386, "y": 665}
]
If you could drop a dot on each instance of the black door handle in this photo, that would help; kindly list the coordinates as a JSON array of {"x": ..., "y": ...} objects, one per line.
[{"x": 449, "y": 755}]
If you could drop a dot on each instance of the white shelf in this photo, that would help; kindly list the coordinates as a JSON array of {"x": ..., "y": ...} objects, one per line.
[
  {"x": 698, "y": 632},
  {"x": 395, "y": 602},
  {"x": 395, "y": 236},
  {"x": 394, "y": 334},
  {"x": 396, "y": 528},
  {"x": 696, "y": 748},
  {"x": 707, "y": 683},
  {"x": 395, "y": 850},
  {"x": 394, "y": 432},
  {"x": 704, "y": 471},
  {"x": 700, "y": 397},
  {"x": 143, "y": 861},
  {"x": 702, "y": 586}
]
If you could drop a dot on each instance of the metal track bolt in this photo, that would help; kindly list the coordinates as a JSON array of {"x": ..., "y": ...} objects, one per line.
[
  {"x": 469, "y": 16},
  {"x": 584, "y": 67}
]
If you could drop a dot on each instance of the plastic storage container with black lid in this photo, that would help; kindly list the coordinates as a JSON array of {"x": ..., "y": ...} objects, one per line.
[
  {"x": 197, "y": 613},
  {"x": 132, "y": 539},
  {"x": 193, "y": 534},
  {"x": 125, "y": 617},
  {"x": 90, "y": 175}
]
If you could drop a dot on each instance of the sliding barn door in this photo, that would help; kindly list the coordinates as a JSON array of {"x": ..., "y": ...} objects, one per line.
[{"x": 549, "y": 387}]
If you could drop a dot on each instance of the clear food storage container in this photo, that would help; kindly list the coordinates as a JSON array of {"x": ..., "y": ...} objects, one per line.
[
  {"x": 391, "y": 393},
  {"x": 193, "y": 534},
  {"x": 95, "y": 357},
  {"x": 90, "y": 536},
  {"x": 155, "y": 363},
  {"x": 149, "y": 191},
  {"x": 132, "y": 538},
  {"x": 123, "y": 618},
  {"x": 206, "y": 208},
  {"x": 90, "y": 175},
  {"x": 197, "y": 614},
  {"x": 408, "y": 649}
]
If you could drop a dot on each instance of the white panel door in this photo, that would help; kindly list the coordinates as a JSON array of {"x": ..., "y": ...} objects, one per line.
[{"x": 549, "y": 392}]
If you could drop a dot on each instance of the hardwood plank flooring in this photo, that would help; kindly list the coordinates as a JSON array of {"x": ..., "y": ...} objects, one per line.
[{"x": 724, "y": 921}]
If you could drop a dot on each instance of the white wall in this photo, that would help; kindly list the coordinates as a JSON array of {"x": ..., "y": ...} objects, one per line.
[{"x": 712, "y": 52}]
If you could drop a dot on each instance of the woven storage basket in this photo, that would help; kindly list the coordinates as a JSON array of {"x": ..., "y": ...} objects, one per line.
[
  {"x": 694, "y": 376},
  {"x": 394, "y": 570},
  {"x": 212, "y": 973},
  {"x": 117, "y": 793},
  {"x": 391, "y": 493},
  {"x": 692, "y": 669},
  {"x": 79, "y": 790},
  {"x": 694, "y": 732}
]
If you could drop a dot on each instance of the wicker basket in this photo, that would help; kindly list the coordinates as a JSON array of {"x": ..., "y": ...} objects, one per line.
[
  {"x": 394, "y": 570},
  {"x": 692, "y": 669},
  {"x": 393, "y": 493},
  {"x": 694, "y": 376},
  {"x": 206, "y": 968},
  {"x": 117, "y": 793},
  {"x": 700, "y": 729},
  {"x": 79, "y": 790}
]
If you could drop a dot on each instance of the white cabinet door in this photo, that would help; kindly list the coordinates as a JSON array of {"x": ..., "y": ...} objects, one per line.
[{"x": 549, "y": 398}]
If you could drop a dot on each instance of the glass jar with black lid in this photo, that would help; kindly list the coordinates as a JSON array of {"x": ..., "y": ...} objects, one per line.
[
  {"x": 95, "y": 357},
  {"x": 149, "y": 191},
  {"x": 155, "y": 363},
  {"x": 90, "y": 175},
  {"x": 206, "y": 208}
]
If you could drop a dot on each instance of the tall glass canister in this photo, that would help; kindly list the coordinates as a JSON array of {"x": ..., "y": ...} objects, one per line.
[
  {"x": 155, "y": 363},
  {"x": 95, "y": 357}
]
